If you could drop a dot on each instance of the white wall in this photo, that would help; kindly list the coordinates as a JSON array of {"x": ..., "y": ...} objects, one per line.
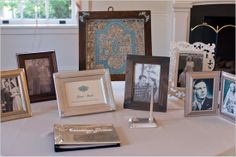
[{"x": 65, "y": 39}]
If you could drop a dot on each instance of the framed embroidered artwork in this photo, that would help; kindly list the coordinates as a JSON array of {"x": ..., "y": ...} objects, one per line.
[
  {"x": 106, "y": 37},
  {"x": 146, "y": 75},
  {"x": 39, "y": 68}
]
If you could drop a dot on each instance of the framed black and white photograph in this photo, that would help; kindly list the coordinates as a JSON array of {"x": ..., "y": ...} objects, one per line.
[
  {"x": 228, "y": 96},
  {"x": 14, "y": 95},
  {"x": 188, "y": 62},
  {"x": 84, "y": 92},
  {"x": 39, "y": 69},
  {"x": 202, "y": 91},
  {"x": 145, "y": 75}
]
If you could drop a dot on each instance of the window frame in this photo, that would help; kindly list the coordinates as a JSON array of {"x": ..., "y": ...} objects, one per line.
[{"x": 39, "y": 21}]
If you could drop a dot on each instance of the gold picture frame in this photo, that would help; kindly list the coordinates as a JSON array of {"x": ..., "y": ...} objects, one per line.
[
  {"x": 15, "y": 103},
  {"x": 84, "y": 92},
  {"x": 202, "y": 92}
]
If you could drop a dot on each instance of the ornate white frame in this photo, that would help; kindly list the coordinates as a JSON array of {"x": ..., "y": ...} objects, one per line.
[{"x": 207, "y": 50}]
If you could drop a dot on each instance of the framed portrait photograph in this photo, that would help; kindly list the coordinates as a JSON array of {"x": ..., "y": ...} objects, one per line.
[
  {"x": 15, "y": 102},
  {"x": 228, "y": 96},
  {"x": 39, "y": 68},
  {"x": 187, "y": 62},
  {"x": 145, "y": 74},
  {"x": 202, "y": 92},
  {"x": 106, "y": 37},
  {"x": 84, "y": 92},
  {"x": 186, "y": 57}
]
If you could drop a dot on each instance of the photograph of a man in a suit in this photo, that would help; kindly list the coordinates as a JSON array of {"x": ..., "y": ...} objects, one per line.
[{"x": 201, "y": 100}]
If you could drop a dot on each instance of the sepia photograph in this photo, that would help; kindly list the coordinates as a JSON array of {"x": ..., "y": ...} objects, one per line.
[
  {"x": 14, "y": 95},
  {"x": 39, "y": 76},
  {"x": 11, "y": 98},
  {"x": 39, "y": 68},
  {"x": 228, "y": 96},
  {"x": 202, "y": 94},
  {"x": 147, "y": 77},
  {"x": 188, "y": 62}
]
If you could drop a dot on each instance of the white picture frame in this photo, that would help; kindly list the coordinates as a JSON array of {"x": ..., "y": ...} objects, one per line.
[
  {"x": 186, "y": 49},
  {"x": 202, "y": 93},
  {"x": 84, "y": 92},
  {"x": 228, "y": 96}
]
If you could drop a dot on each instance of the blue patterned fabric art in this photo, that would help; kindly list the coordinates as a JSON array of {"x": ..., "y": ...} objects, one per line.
[{"x": 109, "y": 41}]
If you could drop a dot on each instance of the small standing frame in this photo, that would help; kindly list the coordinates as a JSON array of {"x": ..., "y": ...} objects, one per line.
[
  {"x": 39, "y": 68},
  {"x": 142, "y": 74},
  {"x": 15, "y": 102},
  {"x": 202, "y": 91}
]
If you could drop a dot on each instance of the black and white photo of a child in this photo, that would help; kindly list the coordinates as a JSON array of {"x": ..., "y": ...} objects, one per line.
[
  {"x": 10, "y": 95},
  {"x": 147, "y": 77}
]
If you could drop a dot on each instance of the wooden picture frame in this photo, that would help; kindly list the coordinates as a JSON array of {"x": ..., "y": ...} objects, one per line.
[
  {"x": 39, "y": 68},
  {"x": 202, "y": 92},
  {"x": 186, "y": 57},
  {"x": 84, "y": 92},
  {"x": 228, "y": 96},
  {"x": 15, "y": 102},
  {"x": 153, "y": 71},
  {"x": 106, "y": 37}
]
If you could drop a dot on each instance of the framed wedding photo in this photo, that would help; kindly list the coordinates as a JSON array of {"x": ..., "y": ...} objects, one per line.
[
  {"x": 106, "y": 37},
  {"x": 202, "y": 92},
  {"x": 84, "y": 92},
  {"x": 15, "y": 102},
  {"x": 39, "y": 68},
  {"x": 187, "y": 62},
  {"x": 228, "y": 96},
  {"x": 145, "y": 74}
]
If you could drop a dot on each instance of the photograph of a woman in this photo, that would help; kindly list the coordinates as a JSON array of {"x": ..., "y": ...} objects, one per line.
[
  {"x": 229, "y": 98},
  {"x": 188, "y": 62},
  {"x": 11, "y": 99}
]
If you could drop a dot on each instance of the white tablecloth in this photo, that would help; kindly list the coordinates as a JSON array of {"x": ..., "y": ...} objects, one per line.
[{"x": 176, "y": 134}]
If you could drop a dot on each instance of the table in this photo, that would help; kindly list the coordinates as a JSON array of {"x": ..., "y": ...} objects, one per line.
[{"x": 176, "y": 134}]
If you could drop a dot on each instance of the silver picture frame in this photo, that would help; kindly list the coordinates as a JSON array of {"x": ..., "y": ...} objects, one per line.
[
  {"x": 228, "y": 96},
  {"x": 84, "y": 92},
  {"x": 202, "y": 59},
  {"x": 202, "y": 92}
]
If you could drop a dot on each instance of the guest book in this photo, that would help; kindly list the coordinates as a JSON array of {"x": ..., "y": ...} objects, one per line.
[{"x": 78, "y": 136}]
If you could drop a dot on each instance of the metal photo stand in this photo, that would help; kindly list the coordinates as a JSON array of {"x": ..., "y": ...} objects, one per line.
[{"x": 144, "y": 122}]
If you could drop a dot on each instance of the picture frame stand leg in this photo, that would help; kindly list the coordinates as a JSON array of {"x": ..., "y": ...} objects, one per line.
[{"x": 144, "y": 122}]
